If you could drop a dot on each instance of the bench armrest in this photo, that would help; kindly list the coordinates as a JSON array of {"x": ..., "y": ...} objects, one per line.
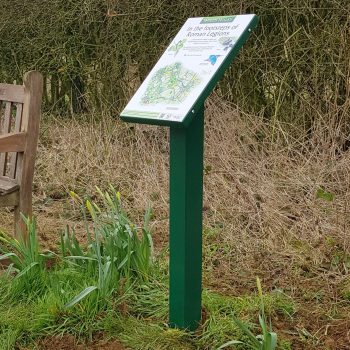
[{"x": 13, "y": 142}]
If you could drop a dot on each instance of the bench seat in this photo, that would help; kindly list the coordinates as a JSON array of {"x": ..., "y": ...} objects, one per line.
[{"x": 7, "y": 185}]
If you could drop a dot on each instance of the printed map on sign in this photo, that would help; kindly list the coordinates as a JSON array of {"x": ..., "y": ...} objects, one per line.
[
  {"x": 186, "y": 68},
  {"x": 170, "y": 85}
]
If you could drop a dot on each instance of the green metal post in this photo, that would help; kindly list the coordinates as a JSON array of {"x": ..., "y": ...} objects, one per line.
[{"x": 186, "y": 197}]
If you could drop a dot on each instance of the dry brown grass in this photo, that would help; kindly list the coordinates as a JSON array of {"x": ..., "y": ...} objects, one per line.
[{"x": 261, "y": 212}]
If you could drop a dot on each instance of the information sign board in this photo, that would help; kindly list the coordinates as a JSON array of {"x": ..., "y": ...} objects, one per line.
[
  {"x": 188, "y": 69},
  {"x": 173, "y": 94}
]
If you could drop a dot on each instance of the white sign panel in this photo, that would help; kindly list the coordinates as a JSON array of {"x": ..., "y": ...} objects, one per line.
[{"x": 186, "y": 67}]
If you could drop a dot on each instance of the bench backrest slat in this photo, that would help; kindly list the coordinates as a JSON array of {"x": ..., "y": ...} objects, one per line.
[
  {"x": 12, "y": 93},
  {"x": 15, "y": 156},
  {"x": 5, "y": 129}
]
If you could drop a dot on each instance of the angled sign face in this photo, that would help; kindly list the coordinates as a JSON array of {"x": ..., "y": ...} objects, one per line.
[{"x": 188, "y": 70}]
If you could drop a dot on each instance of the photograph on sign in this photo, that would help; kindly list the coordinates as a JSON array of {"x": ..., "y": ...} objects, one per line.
[{"x": 186, "y": 68}]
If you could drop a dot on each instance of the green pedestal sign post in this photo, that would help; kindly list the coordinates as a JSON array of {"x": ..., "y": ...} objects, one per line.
[{"x": 173, "y": 95}]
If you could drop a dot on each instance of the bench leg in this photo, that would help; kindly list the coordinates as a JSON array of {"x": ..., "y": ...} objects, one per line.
[
  {"x": 24, "y": 207},
  {"x": 18, "y": 223}
]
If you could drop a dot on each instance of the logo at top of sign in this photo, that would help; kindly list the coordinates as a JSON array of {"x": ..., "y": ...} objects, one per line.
[
  {"x": 170, "y": 84},
  {"x": 176, "y": 47},
  {"x": 227, "y": 42}
]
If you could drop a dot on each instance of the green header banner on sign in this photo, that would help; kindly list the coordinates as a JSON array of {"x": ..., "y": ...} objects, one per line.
[{"x": 218, "y": 19}]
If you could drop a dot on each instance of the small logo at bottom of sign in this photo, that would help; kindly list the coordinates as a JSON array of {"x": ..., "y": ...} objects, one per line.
[{"x": 168, "y": 116}]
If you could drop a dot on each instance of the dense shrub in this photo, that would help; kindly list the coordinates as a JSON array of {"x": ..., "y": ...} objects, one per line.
[{"x": 95, "y": 52}]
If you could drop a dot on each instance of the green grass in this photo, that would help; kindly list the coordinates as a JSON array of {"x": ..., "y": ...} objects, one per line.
[
  {"x": 116, "y": 256},
  {"x": 144, "y": 334},
  {"x": 111, "y": 286},
  {"x": 27, "y": 262},
  {"x": 138, "y": 318}
]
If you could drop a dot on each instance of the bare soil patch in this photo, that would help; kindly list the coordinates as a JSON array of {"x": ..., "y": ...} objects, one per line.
[{"x": 68, "y": 343}]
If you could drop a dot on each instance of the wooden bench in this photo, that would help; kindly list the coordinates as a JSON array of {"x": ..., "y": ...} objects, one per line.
[{"x": 20, "y": 107}]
